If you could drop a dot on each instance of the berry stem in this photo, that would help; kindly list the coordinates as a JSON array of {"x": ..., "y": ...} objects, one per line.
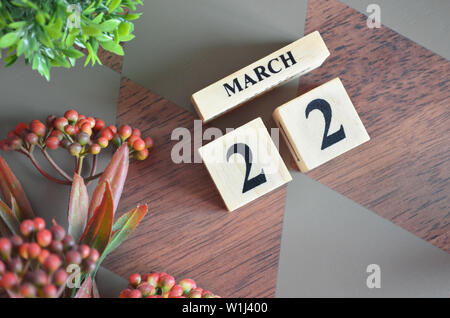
[
  {"x": 93, "y": 169},
  {"x": 80, "y": 165},
  {"x": 90, "y": 178},
  {"x": 43, "y": 172},
  {"x": 54, "y": 165}
]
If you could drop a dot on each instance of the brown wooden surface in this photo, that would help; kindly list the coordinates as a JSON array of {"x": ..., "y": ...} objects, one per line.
[
  {"x": 402, "y": 94},
  {"x": 188, "y": 232}
]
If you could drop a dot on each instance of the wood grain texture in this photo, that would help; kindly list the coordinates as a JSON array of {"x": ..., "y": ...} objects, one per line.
[
  {"x": 402, "y": 94},
  {"x": 188, "y": 232}
]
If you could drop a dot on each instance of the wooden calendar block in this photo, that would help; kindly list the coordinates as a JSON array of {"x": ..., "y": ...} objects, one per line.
[
  {"x": 320, "y": 125},
  {"x": 244, "y": 164},
  {"x": 293, "y": 60}
]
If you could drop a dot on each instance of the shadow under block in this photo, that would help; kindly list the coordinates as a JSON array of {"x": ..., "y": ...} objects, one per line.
[
  {"x": 320, "y": 125},
  {"x": 402, "y": 94},
  {"x": 187, "y": 231},
  {"x": 244, "y": 164},
  {"x": 293, "y": 60}
]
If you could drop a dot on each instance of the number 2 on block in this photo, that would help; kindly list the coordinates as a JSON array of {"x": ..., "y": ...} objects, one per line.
[
  {"x": 323, "y": 106},
  {"x": 245, "y": 151}
]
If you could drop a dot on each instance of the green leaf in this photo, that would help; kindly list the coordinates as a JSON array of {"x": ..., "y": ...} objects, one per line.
[
  {"x": 99, "y": 227},
  {"x": 132, "y": 16},
  {"x": 115, "y": 174},
  {"x": 85, "y": 290},
  {"x": 91, "y": 29},
  {"x": 124, "y": 29},
  {"x": 78, "y": 207},
  {"x": 8, "y": 217},
  {"x": 123, "y": 227},
  {"x": 22, "y": 46},
  {"x": 126, "y": 38},
  {"x": 9, "y": 39},
  {"x": 10, "y": 186},
  {"x": 111, "y": 46},
  {"x": 110, "y": 25},
  {"x": 73, "y": 53},
  {"x": 113, "y": 5},
  {"x": 17, "y": 25}
]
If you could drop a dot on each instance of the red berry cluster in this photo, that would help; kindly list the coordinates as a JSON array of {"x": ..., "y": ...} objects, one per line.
[
  {"x": 162, "y": 285},
  {"x": 34, "y": 263},
  {"x": 79, "y": 134}
]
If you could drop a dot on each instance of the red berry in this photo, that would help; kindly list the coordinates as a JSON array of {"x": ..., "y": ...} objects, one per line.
[
  {"x": 2, "y": 268},
  {"x": 153, "y": 279},
  {"x": 132, "y": 139},
  {"x": 113, "y": 129},
  {"x": 52, "y": 263},
  {"x": 34, "y": 250},
  {"x": 139, "y": 144},
  {"x": 73, "y": 257},
  {"x": 125, "y": 293},
  {"x": 88, "y": 266},
  {"x": 14, "y": 143},
  {"x": 84, "y": 251},
  {"x": 166, "y": 283},
  {"x": 43, "y": 256},
  {"x": 60, "y": 122},
  {"x": 16, "y": 241},
  {"x": 20, "y": 127},
  {"x": 136, "y": 132},
  {"x": 99, "y": 124},
  {"x": 44, "y": 237},
  {"x": 117, "y": 141},
  {"x": 60, "y": 277},
  {"x": 83, "y": 137},
  {"x": 39, "y": 278},
  {"x": 50, "y": 120},
  {"x": 58, "y": 232},
  {"x": 37, "y": 127},
  {"x": 68, "y": 242},
  {"x": 95, "y": 149},
  {"x": 176, "y": 291},
  {"x": 102, "y": 142},
  {"x": 15, "y": 265},
  {"x": 50, "y": 291},
  {"x": 80, "y": 117},
  {"x": 94, "y": 255},
  {"x": 107, "y": 134},
  {"x": 149, "y": 142},
  {"x": 195, "y": 293},
  {"x": 23, "y": 250},
  {"x": 9, "y": 280},
  {"x": 39, "y": 224},
  {"x": 56, "y": 247},
  {"x": 75, "y": 149},
  {"x": 27, "y": 227},
  {"x": 70, "y": 130},
  {"x": 125, "y": 132},
  {"x": 135, "y": 279},
  {"x": 58, "y": 134},
  {"x": 71, "y": 115},
  {"x": 86, "y": 128},
  {"x": 187, "y": 284},
  {"x": 146, "y": 289},
  {"x": 27, "y": 290},
  {"x": 135, "y": 293},
  {"x": 142, "y": 155},
  {"x": 52, "y": 143}
]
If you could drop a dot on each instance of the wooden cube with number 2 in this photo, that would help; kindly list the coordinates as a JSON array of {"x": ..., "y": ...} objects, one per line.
[
  {"x": 244, "y": 164},
  {"x": 320, "y": 125}
]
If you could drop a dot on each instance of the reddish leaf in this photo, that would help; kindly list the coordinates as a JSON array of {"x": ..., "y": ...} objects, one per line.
[
  {"x": 95, "y": 293},
  {"x": 10, "y": 186},
  {"x": 123, "y": 228},
  {"x": 116, "y": 174},
  {"x": 99, "y": 227},
  {"x": 85, "y": 290},
  {"x": 8, "y": 218},
  {"x": 78, "y": 207}
]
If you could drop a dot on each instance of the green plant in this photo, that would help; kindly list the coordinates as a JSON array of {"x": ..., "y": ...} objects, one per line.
[
  {"x": 91, "y": 223},
  {"x": 82, "y": 136},
  {"x": 48, "y": 32}
]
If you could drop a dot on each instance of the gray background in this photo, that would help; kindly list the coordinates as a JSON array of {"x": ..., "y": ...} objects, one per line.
[{"x": 181, "y": 46}]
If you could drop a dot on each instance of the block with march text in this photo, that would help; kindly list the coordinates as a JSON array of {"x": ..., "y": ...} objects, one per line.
[
  {"x": 244, "y": 164},
  {"x": 320, "y": 125},
  {"x": 293, "y": 60}
]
